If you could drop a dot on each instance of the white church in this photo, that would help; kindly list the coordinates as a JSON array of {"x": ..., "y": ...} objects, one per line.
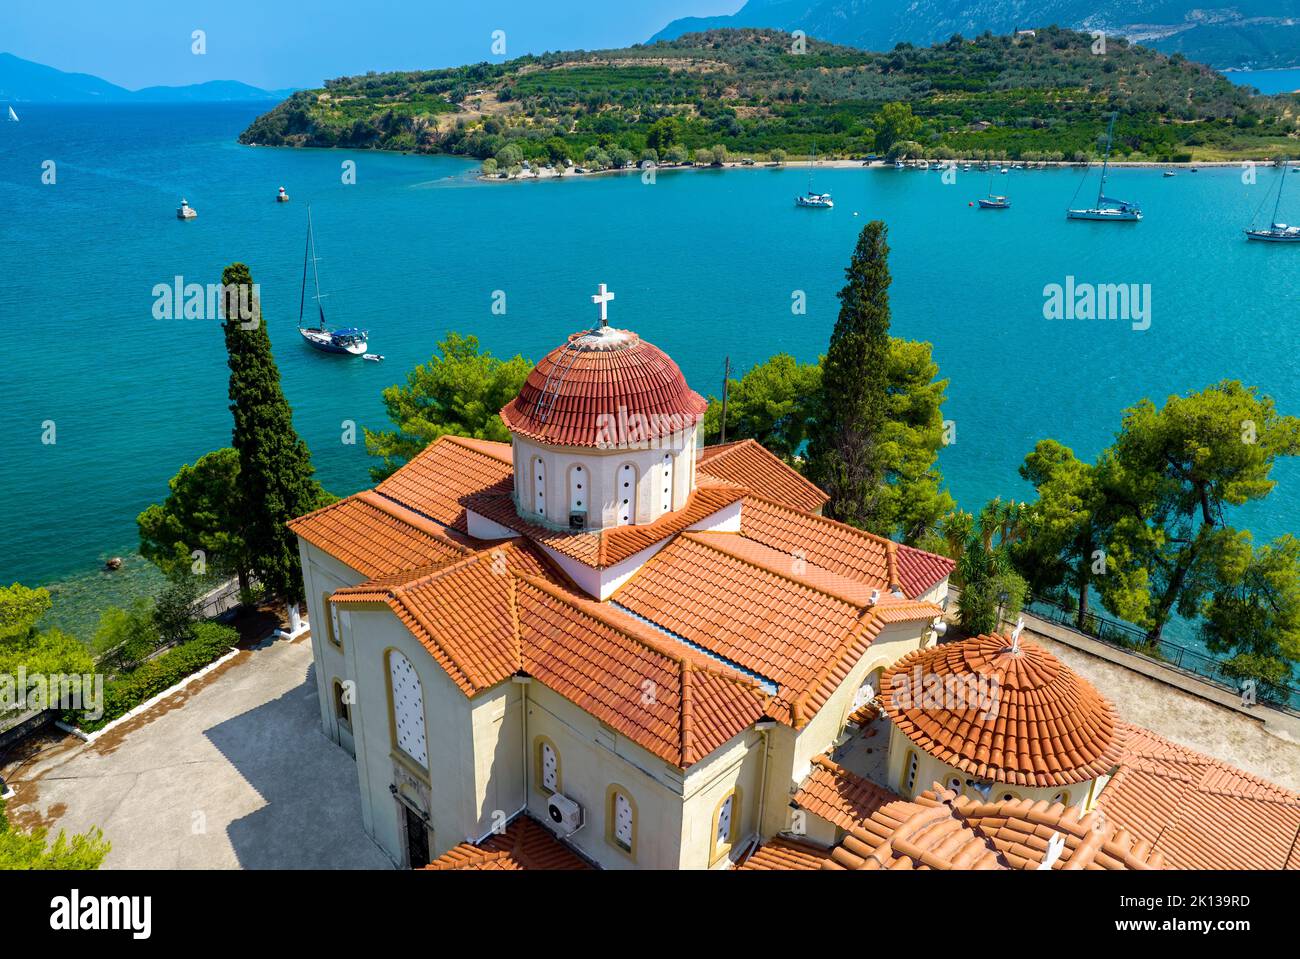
[{"x": 604, "y": 644}]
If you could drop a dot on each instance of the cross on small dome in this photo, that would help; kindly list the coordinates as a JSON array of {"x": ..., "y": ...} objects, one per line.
[{"x": 601, "y": 299}]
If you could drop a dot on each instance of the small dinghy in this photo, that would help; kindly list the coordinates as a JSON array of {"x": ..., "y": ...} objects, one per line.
[{"x": 373, "y": 357}]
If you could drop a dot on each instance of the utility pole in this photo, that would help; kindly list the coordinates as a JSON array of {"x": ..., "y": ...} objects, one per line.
[{"x": 726, "y": 378}]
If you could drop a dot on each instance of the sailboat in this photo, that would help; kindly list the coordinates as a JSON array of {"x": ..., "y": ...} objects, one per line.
[
  {"x": 1108, "y": 208},
  {"x": 13, "y": 117},
  {"x": 813, "y": 199},
  {"x": 994, "y": 201},
  {"x": 1277, "y": 232},
  {"x": 349, "y": 340}
]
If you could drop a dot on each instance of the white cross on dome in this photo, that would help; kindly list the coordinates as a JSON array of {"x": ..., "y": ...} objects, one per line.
[{"x": 601, "y": 299}]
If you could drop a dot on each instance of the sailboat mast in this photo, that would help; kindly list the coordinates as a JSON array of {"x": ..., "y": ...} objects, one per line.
[
  {"x": 1105, "y": 163},
  {"x": 315, "y": 271},
  {"x": 1278, "y": 204},
  {"x": 306, "y": 251}
]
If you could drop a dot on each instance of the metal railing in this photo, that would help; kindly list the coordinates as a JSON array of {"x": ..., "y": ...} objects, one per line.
[{"x": 1121, "y": 635}]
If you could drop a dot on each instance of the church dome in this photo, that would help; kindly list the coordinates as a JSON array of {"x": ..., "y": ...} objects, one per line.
[
  {"x": 1039, "y": 725},
  {"x": 599, "y": 379}
]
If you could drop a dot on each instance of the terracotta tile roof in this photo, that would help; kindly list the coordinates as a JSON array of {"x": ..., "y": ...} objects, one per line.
[
  {"x": 1049, "y": 726},
  {"x": 488, "y": 616},
  {"x": 784, "y": 853},
  {"x": 609, "y": 546},
  {"x": 1199, "y": 811},
  {"x": 661, "y": 695},
  {"x": 525, "y": 844},
  {"x": 748, "y": 463},
  {"x": 749, "y": 607},
  {"x": 940, "y": 830},
  {"x": 841, "y": 797},
  {"x": 375, "y": 537},
  {"x": 450, "y": 468},
  {"x": 851, "y": 552},
  {"x": 603, "y": 373},
  {"x": 462, "y": 613}
]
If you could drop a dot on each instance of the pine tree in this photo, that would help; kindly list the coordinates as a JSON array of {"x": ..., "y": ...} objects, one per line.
[
  {"x": 275, "y": 470},
  {"x": 844, "y": 449}
]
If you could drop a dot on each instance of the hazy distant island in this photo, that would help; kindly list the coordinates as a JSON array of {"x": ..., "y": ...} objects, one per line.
[{"x": 1037, "y": 95}]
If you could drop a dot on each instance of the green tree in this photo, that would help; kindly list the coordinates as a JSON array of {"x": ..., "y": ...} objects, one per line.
[
  {"x": 913, "y": 498},
  {"x": 990, "y": 589},
  {"x": 459, "y": 391},
  {"x": 1177, "y": 469},
  {"x": 1070, "y": 522},
  {"x": 771, "y": 403},
  {"x": 204, "y": 510},
  {"x": 22, "y": 850},
  {"x": 663, "y": 133},
  {"x": 844, "y": 446},
  {"x": 47, "y": 652},
  {"x": 20, "y": 608},
  {"x": 1253, "y": 612},
  {"x": 894, "y": 122},
  {"x": 275, "y": 470}
]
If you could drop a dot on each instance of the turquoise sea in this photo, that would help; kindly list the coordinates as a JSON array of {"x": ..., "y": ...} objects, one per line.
[
  {"x": 1268, "y": 81},
  {"x": 704, "y": 264}
]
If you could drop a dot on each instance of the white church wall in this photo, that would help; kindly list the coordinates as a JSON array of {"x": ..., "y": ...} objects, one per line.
[
  {"x": 602, "y": 482},
  {"x": 322, "y": 574},
  {"x": 592, "y": 758},
  {"x": 497, "y": 756},
  {"x": 445, "y": 784},
  {"x": 735, "y": 769},
  {"x": 817, "y": 736}
]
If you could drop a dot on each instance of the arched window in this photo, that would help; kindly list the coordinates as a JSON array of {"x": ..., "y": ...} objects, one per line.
[
  {"x": 667, "y": 502},
  {"x": 546, "y": 759},
  {"x": 910, "y": 766},
  {"x": 343, "y": 704},
  {"x": 726, "y": 824},
  {"x": 407, "y": 709},
  {"x": 577, "y": 490},
  {"x": 539, "y": 485},
  {"x": 867, "y": 691},
  {"x": 625, "y": 494},
  {"x": 620, "y": 819}
]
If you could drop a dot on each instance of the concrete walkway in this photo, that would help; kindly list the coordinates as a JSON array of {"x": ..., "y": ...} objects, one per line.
[
  {"x": 241, "y": 777},
  {"x": 1191, "y": 720}
]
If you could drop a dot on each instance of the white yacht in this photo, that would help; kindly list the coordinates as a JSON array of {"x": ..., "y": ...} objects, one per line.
[{"x": 1107, "y": 208}]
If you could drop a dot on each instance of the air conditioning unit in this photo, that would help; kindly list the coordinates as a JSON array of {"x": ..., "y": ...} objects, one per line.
[
  {"x": 565, "y": 813},
  {"x": 578, "y": 519}
]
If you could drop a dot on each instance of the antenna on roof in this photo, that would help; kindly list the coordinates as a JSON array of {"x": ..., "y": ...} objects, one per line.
[{"x": 1015, "y": 635}]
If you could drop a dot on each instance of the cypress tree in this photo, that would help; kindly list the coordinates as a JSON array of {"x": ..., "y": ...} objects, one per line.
[
  {"x": 275, "y": 470},
  {"x": 844, "y": 448}
]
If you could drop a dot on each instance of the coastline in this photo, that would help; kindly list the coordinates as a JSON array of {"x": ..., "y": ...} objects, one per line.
[{"x": 570, "y": 174}]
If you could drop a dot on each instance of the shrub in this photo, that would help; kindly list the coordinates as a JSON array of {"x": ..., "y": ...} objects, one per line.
[{"x": 122, "y": 694}]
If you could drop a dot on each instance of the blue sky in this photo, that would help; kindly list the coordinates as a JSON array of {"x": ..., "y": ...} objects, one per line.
[{"x": 294, "y": 43}]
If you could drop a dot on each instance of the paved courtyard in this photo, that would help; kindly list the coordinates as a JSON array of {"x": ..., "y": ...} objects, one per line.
[{"x": 240, "y": 777}]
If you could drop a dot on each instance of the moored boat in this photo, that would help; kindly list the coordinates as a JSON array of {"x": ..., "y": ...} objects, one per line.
[
  {"x": 1108, "y": 209},
  {"x": 1276, "y": 232},
  {"x": 348, "y": 340},
  {"x": 993, "y": 202}
]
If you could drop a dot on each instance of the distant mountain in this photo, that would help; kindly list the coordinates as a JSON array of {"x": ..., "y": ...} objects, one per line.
[
  {"x": 1250, "y": 34},
  {"x": 23, "y": 81}
]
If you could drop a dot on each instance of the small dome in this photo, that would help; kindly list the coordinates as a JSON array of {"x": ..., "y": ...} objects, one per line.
[
  {"x": 598, "y": 378},
  {"x": 1039, "y": 725}
]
